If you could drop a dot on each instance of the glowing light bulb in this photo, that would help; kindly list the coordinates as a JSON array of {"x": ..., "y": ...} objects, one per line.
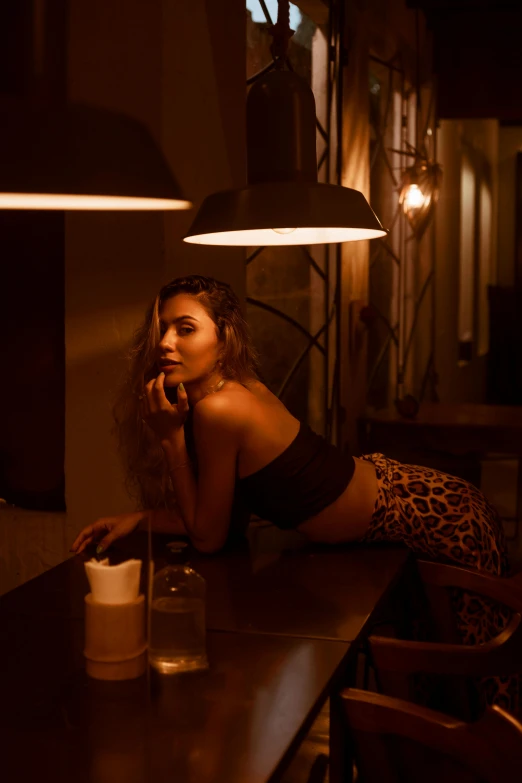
[
  {"x": 414, "y": 198},
  {"x": 283, "y": 230}
]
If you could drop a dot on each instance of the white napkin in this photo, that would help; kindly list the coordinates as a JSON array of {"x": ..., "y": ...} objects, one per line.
[{"x": 117, "y": 584}]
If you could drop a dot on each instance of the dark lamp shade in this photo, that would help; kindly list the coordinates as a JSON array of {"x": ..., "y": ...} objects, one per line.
[
  {"x": 283, "y": 203},
  {"x": 81, "y": 158},
  {"x": 284, "y": 213}
]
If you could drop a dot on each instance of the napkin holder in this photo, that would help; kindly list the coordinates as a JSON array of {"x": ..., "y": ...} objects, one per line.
[{"x": 115, "y": 641}]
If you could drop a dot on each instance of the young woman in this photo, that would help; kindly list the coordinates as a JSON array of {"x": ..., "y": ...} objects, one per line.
[{"x": 228, "y": 444}]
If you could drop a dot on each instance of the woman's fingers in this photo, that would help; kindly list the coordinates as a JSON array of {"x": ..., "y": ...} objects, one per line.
[
  {"x": 159, "y": 392},
  {"x": 158, "y": 412},
  {"x": 149, "y": 397},
  {"x": 183, "y": 403},
  {"x": 126, "y": 524},
  {"x": 155, "y": 395},
  {"x": 86, "y": 533},
  {"x": 106, "y": 541},
  {"x": 85, "y": 544}
]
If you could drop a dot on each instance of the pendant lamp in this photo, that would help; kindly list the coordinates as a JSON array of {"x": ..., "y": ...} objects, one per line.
[
  {"x": 74, "y": 157},
  {"x": 283, "y": 203}
]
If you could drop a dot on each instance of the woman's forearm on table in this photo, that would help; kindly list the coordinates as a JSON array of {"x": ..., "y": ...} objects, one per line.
[
  {"x": 182, "y": 478},
  {"x": 163, "y": 521}
]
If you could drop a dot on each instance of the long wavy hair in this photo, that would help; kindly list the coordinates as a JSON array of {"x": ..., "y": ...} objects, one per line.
[{"x": 147, "y": 477}]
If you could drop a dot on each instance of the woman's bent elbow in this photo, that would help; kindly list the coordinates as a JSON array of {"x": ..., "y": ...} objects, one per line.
[
  {"x": 209, "y": 538},
  {"x": 207, "y": 547}
]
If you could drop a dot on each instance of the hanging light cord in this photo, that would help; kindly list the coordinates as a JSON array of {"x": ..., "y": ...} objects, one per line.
[
  {"x": 281, "y": 33},
  {"x": 418, "y": 108}
]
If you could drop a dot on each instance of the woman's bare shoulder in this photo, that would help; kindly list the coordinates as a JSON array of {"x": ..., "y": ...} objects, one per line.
[
  {"x": 236, "y": 402},
  {"x": 232, "y": 401},
  {"x": 263, "y": 394}
]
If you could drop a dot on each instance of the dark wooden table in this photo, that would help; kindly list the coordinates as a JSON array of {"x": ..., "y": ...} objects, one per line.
[
  {"x": 288, "y": 587},
  {"x": 310, "y": 593},
  {"x": 241, "y": 721},
  {"x": 279, "y": 644},
  {"x": 458, "y": 428}
]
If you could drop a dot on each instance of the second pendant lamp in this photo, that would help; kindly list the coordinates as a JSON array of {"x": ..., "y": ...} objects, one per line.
[{"x": 283, "y": 203}]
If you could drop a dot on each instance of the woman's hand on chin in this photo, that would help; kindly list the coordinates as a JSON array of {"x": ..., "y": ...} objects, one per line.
[{"x": 165, "y": 419}]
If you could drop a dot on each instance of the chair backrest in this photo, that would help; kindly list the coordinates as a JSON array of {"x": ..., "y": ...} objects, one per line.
[
  {"x": 448, "y": 663},
  {"x": 504, "y": 590},
  {"x": 395, "y": 741}
]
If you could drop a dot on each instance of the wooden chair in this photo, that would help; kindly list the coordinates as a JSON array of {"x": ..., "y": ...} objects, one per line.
[
  {"x": 395, "y": 741},
  {"x": 497, "y": 657}
]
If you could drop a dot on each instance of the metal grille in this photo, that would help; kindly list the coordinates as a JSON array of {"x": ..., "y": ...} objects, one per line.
[
  {"x": 402, "y": 278},
  {"x": 323, "y": 261}
]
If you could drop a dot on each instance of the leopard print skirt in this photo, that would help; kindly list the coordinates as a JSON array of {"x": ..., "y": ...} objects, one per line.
[{"x": 447, "y": 519}]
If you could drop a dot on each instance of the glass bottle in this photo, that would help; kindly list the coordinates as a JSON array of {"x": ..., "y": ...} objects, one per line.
[{"x": 177, "y": 621}]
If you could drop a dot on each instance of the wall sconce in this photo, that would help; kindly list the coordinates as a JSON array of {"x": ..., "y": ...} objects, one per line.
[
  {"x": 419, "y": 192},
  {"x": 413, "y": 198}
]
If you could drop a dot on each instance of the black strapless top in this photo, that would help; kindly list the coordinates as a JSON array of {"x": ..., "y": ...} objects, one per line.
[{"x": 306, "y": 478}]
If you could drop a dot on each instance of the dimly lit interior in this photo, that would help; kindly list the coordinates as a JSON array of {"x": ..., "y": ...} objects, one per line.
[{"x": 261, "y": 400}]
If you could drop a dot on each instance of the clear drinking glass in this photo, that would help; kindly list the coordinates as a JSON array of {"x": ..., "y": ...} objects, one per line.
[{"x": 177, "y": 616}]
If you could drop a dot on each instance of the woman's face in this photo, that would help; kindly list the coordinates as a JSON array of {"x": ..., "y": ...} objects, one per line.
[{"x": 189, "y": 346}]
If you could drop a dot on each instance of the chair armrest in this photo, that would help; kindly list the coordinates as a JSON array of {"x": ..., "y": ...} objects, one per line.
[
  {"x": 491, "y": 746},
  {"x": 499, "y": 656}
]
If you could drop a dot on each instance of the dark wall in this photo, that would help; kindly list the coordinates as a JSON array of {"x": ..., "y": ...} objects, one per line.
[
  {"x": 478, "y": 57},
  {"x": 32, "y": 347},
  {"x": 32, "y": 358}
]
